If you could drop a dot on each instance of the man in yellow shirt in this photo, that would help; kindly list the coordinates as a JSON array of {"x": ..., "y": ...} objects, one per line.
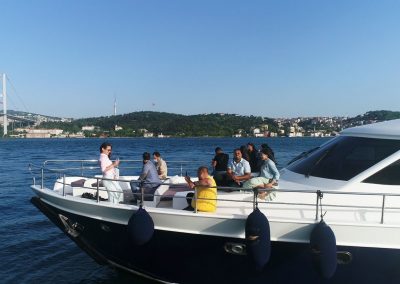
[{"x": 206, "y": 200}]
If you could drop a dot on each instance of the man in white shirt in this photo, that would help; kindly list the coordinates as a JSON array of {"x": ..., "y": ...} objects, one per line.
[{"x": 238, "y": 170}]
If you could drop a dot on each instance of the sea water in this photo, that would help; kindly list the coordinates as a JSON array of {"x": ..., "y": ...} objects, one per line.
[{"x": 33, "y": 250}]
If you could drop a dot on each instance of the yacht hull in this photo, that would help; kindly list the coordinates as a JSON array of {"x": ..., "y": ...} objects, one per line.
[{"x": 176, "y": 257}]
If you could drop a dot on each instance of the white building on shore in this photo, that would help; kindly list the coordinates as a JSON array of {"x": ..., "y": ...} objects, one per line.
[{"x": 43, "y": 133}]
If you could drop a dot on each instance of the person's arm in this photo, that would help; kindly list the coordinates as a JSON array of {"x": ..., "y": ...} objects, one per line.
[
  {"x": 247, "y": 173},
  {"x": 104, "y": 168},
  {"x": 275, "y": 172},
  {"x": 244, "y": 177},
  {"x": 189, "y": 182},
  {"x": 142, "y": 176},
  {"x": 204, "y": 182},
  {"x": 162, "y": 171},
  {"x": 229, "y": 173},
  {"x": 144, "y": 173}
]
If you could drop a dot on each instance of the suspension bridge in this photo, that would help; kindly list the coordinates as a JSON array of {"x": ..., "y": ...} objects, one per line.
[{"x": 5, "y": 117}]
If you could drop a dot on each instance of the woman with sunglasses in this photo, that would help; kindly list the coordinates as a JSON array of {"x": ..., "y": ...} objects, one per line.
[{"x": 108, "y": 168}]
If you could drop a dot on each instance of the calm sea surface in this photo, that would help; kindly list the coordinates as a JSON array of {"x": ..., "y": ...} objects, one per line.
[{"x": 33, "y": 250}]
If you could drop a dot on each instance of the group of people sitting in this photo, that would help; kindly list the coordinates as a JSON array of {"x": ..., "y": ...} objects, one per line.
[
  {"x": 149, "y": 179},
  {"x": 237, "y": 173},
  {"x": 248, "y": 169}
]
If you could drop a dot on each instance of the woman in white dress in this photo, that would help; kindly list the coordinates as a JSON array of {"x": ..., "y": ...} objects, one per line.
[{"x": 108, "y": 168}]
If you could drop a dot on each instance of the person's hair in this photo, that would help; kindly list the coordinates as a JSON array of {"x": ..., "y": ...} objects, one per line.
[
  {"x": 268, "y": 151},
  {"x": 252, "y": 145},
  {"x": 203, "y": 169},
  {"x": 237, "y": 149},
  {"x": 245, "y": 154},
  {"x": 105, "y": 145},
  {"x": 218, "y": 149},
  {"x": 157, "y": 154},
  {"x": 146, "y": 156}
]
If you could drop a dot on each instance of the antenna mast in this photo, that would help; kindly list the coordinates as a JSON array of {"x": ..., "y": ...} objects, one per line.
[{"x": 115, "y": 106}]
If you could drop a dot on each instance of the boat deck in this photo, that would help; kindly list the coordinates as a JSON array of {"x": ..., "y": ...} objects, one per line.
[{"x": 301, "y": 206}]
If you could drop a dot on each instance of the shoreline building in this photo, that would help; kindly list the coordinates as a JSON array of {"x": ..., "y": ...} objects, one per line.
[{"x": 43, "y": 133}]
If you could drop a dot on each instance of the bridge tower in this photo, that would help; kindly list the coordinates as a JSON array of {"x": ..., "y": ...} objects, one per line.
[{"x": 4, "y": 96}]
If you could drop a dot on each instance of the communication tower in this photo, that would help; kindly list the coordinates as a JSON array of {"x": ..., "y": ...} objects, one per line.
[{"x": 115, "y": 106}]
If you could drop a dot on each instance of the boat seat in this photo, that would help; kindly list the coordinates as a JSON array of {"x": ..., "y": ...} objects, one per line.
[
  {"x": 179, "y": 201},
  {"x": 78, "y": 183},
  {"x": 157, "y": 196},
  {"x": 90, "y": 185},
  {"x": 70, "y": 184}
]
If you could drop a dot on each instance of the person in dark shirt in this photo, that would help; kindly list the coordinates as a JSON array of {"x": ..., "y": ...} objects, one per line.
[
  {"x": 254, "y": 159},
  {"x": 220, "y": 164},
  {"x": 220, "y": 161},
  {"x": 245, "y": 153},
  {"x": 149, "y": 180}
]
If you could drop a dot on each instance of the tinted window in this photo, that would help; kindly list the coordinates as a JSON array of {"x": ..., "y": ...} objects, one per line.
[
  {"x": 345, "y": 157},
  {"x": 389, "y": 175}
]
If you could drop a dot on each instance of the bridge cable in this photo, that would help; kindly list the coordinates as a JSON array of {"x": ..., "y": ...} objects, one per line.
[{"x": 16, "y": 93}]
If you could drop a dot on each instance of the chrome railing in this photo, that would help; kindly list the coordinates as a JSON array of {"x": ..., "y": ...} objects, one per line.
[
  {"x": 174, "y": 166},
  {"x": 43, "y": 169}
]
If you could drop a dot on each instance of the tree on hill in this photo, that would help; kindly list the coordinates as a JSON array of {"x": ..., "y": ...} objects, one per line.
[{"x": 168, "y": 124}]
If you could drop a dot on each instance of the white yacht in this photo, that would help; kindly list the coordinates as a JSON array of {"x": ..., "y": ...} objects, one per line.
[{"x": 335, "y": 218}]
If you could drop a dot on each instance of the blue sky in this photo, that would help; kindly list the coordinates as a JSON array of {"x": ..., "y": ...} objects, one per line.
[{"x": 271, "y": 58}]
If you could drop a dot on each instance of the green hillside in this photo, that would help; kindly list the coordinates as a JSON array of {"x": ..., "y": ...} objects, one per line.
[
  {"x": 168, "y": 124},
  {"x": 135, "y": 124},
  {"x": 377, "y": 115}
]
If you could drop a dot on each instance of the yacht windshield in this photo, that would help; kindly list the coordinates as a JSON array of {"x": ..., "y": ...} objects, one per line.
[
  {"x": 345, "y": 158},
  {"x": 302, "y": 155}
]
